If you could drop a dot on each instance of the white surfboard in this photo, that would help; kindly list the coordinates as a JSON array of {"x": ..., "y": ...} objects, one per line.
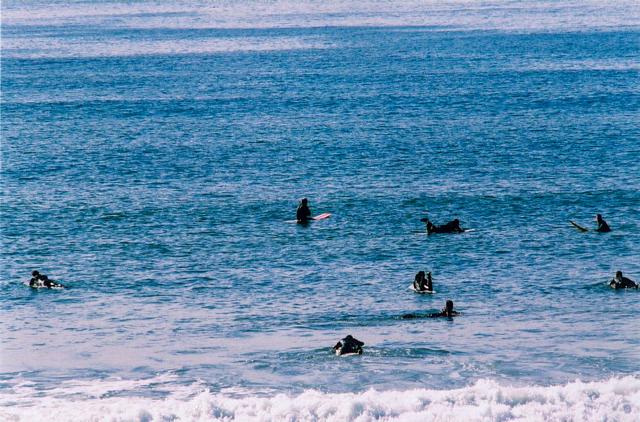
[
  {"x": 577, "y": 226},
  {"x": 322, "y": 216},
  {"x": 429, "y": 292}
]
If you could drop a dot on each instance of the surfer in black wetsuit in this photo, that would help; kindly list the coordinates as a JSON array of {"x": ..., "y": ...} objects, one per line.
[
  {"x": 620, "y": 282},
  {"x": 41, "y": 280},
  {"x": 603, "y": 227},
  {"x": 35, "y": 279},
  {"x": 447, "y": 312},
  {"x": 422, "y": 283},
  {"x": 348, "y": 345},
  {"x": 451, "y": 227},
  {"x": 303, "y": 214}
]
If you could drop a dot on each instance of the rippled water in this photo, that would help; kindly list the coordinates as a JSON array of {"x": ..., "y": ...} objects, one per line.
[{"x": 152, "y": 155}]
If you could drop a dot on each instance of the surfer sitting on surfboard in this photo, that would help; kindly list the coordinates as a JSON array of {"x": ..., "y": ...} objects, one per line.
[
  {"x": 303, "y": 214},
  {"x": 422, "y": 283},
  {"x": 451, "y": 227},
  {"x": 603, "y": 227},
  {"x": 620, "y": 282}
]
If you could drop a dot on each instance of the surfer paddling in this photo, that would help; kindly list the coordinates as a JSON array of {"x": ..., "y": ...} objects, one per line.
[
  {"x": 447, "y": 312},
  {"x": 303, "y": 214},
  {"x": 620, "y": 282}
]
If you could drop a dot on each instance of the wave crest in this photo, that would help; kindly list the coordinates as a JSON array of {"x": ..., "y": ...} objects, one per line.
[{"x": 616, "y": 399}]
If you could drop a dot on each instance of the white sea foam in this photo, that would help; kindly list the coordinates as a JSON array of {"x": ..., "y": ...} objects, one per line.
[{"x": 616, "y": 399}]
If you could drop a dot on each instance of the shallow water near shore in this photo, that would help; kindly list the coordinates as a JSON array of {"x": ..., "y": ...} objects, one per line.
[{"x": 152, "y": 157}]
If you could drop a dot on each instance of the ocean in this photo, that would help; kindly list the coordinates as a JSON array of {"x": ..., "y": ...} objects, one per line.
[{"x": 154, "y": 154}]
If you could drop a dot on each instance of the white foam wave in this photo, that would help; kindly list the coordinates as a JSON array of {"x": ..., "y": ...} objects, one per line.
[{"x": 616, "y": 399}]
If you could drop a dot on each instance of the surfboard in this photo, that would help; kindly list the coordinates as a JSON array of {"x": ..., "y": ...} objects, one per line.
[
  {"x": 579, "y": 227},
  {"x": 430, "y": 292},
  {"x": 348, "y": 354},
  {"x": 316, "y": 218}
]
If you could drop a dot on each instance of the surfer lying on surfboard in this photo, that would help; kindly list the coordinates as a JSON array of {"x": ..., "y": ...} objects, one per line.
[{"x": 447, "y": 312}]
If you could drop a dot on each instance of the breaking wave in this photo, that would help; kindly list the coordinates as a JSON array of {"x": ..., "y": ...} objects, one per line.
[{"x": 162, "y": 399}]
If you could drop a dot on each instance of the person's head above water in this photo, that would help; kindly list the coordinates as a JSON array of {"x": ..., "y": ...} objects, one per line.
[
  {"x": 304, "y": 201},
  {"x": 598, "y": 217},
  {"x": 618, "y": 274},
  {"x": 449, "y": 306},
  {"x": 35, "y": 273}
]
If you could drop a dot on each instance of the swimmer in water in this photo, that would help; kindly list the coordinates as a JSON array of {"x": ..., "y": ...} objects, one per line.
[
  {"x": 303, "y": 213},
  {"x": 620, "y": 282},
  {"x": 603, "y": 227},
  {"x": 348, "y": 345}
]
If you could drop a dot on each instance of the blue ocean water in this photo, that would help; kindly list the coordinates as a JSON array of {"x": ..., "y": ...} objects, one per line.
[{"x": 154, "y": 153}]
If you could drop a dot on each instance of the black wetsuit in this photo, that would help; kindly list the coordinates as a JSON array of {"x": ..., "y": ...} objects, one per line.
[
  {"x": 603, "y": 227},
  {"x": 348, "y": 345},
  {"x": 442, "y": 314},
  {"x": 303, "y": 214},
  {"x": 623, "y": 283},
  {"x": 451, "y": 227},
  {"x": 43, "y": 281}
]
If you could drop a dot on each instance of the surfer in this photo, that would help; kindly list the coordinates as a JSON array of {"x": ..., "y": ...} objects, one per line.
[
  {"x": 447, "y": 312},
  {"x": 41, "y": 280},
  {"x": 451, "y": 227},
  {"x": 303, "y": 214},
  {"x": 603, "y": 227},
  {"x": 348, "y": 345},
  {"x": 620, "y": 282},
  {"x": 422, "y": 283}
]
